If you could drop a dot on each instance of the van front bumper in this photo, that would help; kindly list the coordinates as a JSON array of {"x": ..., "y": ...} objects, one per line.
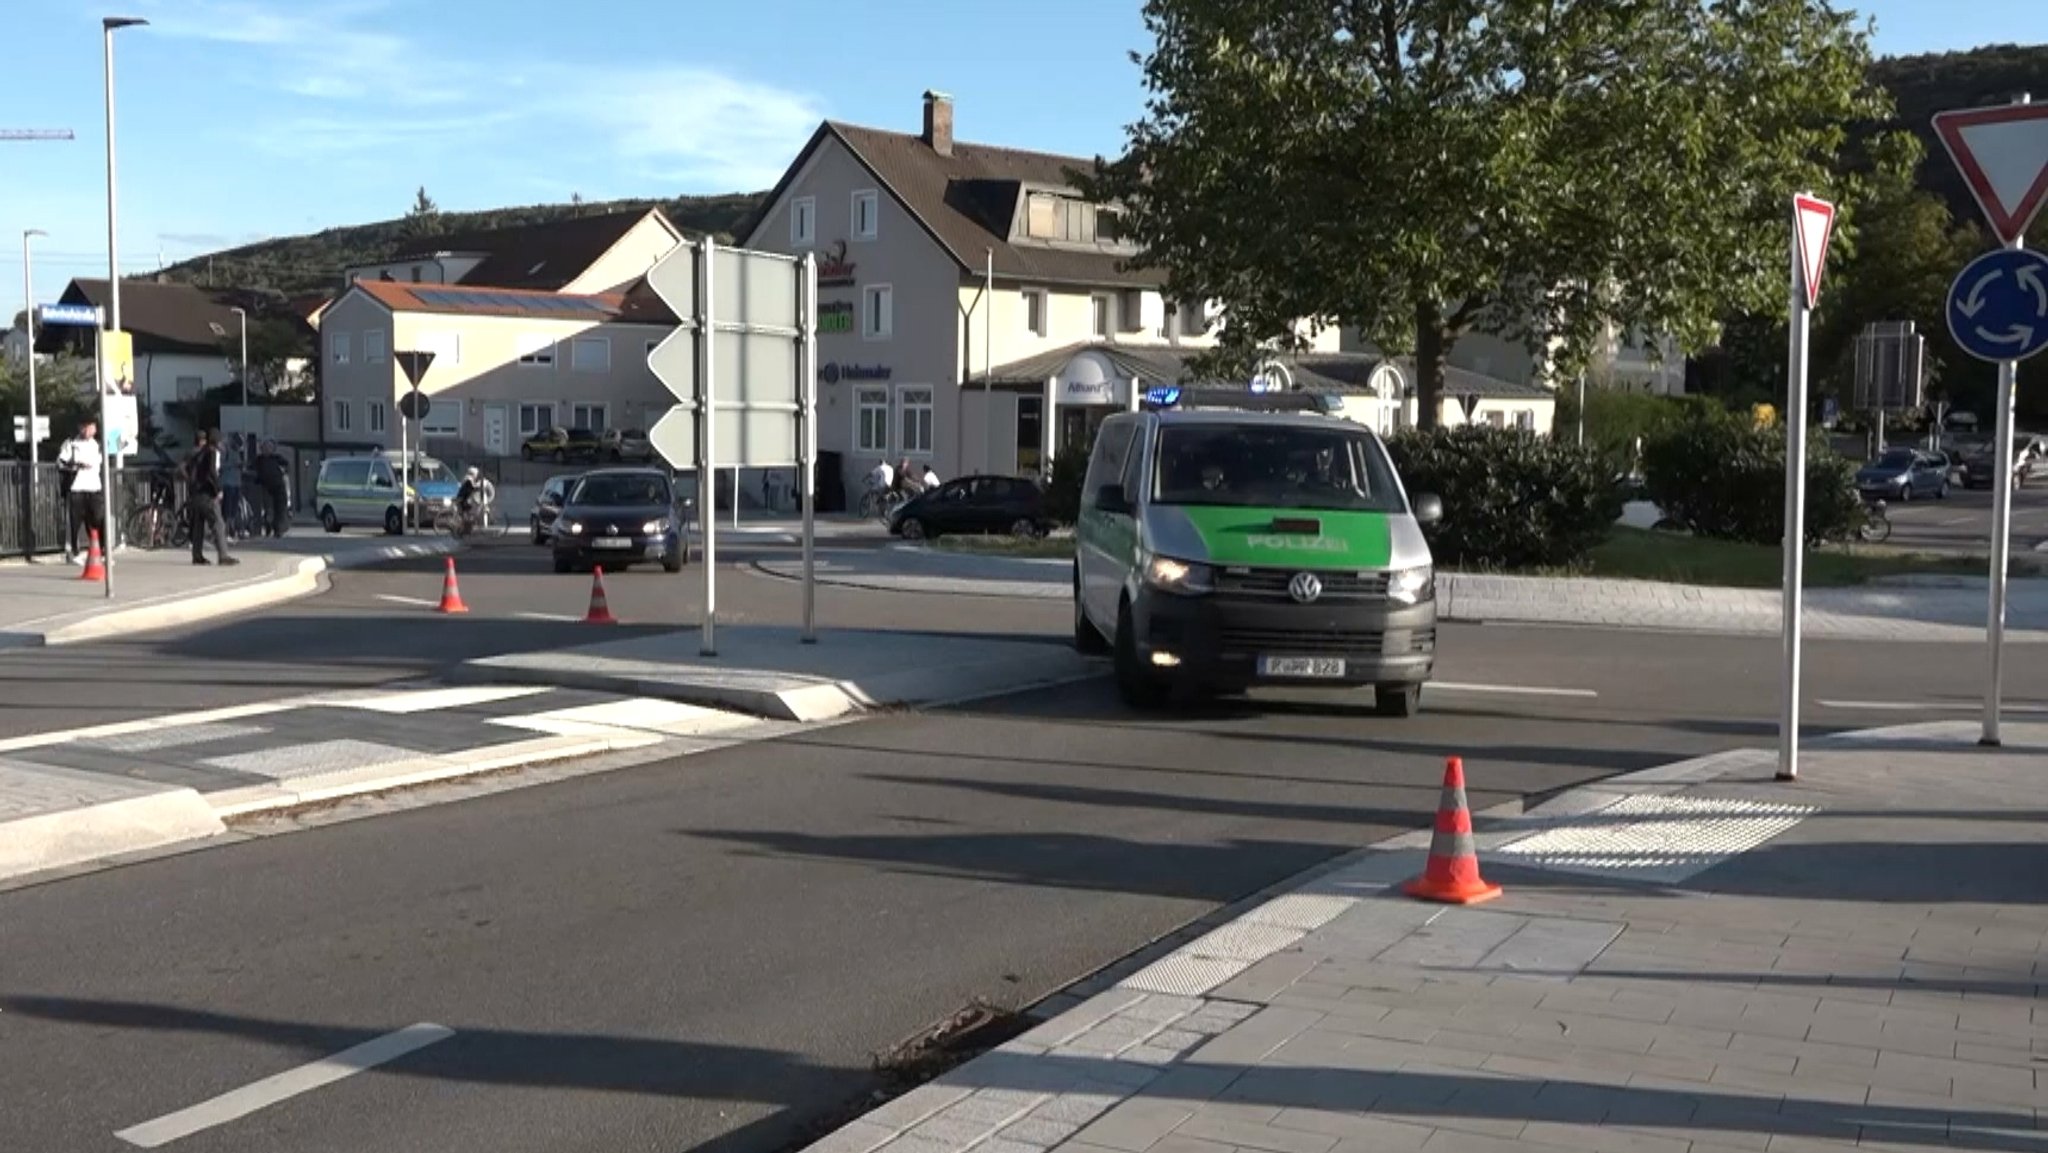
[{"x": 1228, "y": 643}]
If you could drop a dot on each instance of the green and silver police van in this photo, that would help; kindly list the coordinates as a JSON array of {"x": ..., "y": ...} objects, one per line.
[{"x": 1221, "y": 549}]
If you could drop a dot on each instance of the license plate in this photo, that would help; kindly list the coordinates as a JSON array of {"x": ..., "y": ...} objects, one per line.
[
  {"x": 1316, "y": 667},
  {"x": 612, "y": 542}
]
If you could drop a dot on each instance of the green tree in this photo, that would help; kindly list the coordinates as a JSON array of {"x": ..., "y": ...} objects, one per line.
[
  {"x": 1418, "y": 167},
  {"x": 64, "y": 394},
  {"x": 423, "y": 218}
]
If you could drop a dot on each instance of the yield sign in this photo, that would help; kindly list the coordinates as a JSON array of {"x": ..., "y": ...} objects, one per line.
[
  {"x": 2003, "y": 155},
  {"x": 1814, "y": 223}
]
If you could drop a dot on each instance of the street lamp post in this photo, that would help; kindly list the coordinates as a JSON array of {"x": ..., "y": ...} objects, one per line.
[
  {"x": 108, "y": 26},
  {"x": 244, "y": 317},
  {"x": 28, "y": 298}
]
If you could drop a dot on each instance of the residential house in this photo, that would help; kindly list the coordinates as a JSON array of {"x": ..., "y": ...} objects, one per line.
[
  {"x": 1624, "y": 360},
  {"x": 508, "y": 364},
  {"x": 579, "y": 255},
  {"x": 940, "y": 260}
]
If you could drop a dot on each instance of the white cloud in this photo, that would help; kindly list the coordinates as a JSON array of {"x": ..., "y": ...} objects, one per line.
[{"x": 353, "y": 88}]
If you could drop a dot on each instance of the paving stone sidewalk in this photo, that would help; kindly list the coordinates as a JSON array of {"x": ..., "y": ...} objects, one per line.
[{"x": 1696, "y": 958}]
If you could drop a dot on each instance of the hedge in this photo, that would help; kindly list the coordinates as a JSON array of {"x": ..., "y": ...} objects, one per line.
[{"x": 1511, "y": 500}]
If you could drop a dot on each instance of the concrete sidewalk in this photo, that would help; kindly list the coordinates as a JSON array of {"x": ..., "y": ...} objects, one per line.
[
  {"x": 1689, "y": 959},
  {"x": 1948, "y": 609},
  {"x": 47, "y": 604}
]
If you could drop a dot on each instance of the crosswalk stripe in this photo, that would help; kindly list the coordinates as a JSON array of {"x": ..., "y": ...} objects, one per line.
[{"x": 644, "y": 714}]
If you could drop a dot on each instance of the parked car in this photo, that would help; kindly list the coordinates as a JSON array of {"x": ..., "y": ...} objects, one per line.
[
  {"x": 547, "y": 506},
  {"x": 973, "y": 504},
  {"x": 1902, "y": 474},
  {"x": 1978, "y": 472},
  {"x": 627, "y": 444},
  {"x": 364, "y": 490},
  {"x": 562, "y": 444},
  {"x": 616, "y": 517}
]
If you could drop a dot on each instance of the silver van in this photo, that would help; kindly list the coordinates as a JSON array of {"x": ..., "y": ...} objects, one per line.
[
  {"x": 1216, "y": 550},
  {"x": 364, "y": 490}
]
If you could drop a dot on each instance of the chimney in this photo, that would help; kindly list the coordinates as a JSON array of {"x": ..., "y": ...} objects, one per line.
[{"x": 938, "y": 122}]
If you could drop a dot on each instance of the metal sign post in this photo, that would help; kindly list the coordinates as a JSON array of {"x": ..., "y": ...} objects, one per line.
[
  {"x": 1812, "y": 224},
  {"x": 707, "y": 440},
  {"x": 807, "y": 442},
  {"x": 1998, "y": 310}
]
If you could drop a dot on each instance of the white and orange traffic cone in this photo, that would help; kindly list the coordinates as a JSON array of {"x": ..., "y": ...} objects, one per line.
[
  {"x": 1452, "y": 874},
  {"x": 600, "y": 609},
  {"x": 451, "y": 593},
  {"x": 95, "y": 565}
]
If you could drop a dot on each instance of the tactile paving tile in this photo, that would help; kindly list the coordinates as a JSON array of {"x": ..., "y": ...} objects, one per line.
[
  {"x": 1656, "y": 839},
  {"x": 295, "y": 761},
  {"x": 172, "y": 737}
]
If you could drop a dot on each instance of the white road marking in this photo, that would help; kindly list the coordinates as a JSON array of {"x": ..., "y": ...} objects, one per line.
[
  {"x": 548, "y": 617},
  {"x": 426, "y": 700},
  {"x": 1956, "y": 520},
  {"x": 394, "y": 598},
  {"x": 1512, "y": 690},
  {"x": 1926, "y": 706},
  {"x": 262, "y": 1094},
  {"x": 643, "y": 714}
]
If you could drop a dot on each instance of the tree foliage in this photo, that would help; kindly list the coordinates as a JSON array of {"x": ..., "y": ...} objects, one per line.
[
  {"x": 423, "y": 218},
  {"x": 1416, "y": 167},
  {"x": 1722, "y": 476},
  {"x": 64, "y": 394}
]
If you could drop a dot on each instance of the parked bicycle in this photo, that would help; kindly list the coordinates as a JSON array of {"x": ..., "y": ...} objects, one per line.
[
  {"x": 160, "y": 523},
  {"x": 880, "y": 504}
]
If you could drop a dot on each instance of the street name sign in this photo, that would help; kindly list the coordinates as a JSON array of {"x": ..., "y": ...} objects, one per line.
[
  {"x": 2002, "y": 153},
  {"x": 1998, "y": 307},
  {"x": 68, "y": 316}
]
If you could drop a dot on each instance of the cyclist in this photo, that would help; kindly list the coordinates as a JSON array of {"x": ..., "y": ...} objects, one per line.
[{"x": 473, "y": 498}]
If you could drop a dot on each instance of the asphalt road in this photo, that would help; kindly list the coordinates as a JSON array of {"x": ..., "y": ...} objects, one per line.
[
  {"x": 1962, "y": 522},
  {"x": 705, "y": 952}
]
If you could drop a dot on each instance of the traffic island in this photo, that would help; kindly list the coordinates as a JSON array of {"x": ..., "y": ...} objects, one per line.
[{"x": 769, "y": 672}]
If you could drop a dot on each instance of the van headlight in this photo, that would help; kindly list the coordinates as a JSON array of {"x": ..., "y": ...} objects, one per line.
[
  {"x": 1410, "y": 586},
  {"x": 1178, "y": 576}
]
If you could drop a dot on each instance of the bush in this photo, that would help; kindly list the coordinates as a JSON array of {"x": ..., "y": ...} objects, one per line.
[
  {"x": 1063, "y": 487},
  {"x": 1510, "y": 500},
  {"x": 1718, "y": 475}
]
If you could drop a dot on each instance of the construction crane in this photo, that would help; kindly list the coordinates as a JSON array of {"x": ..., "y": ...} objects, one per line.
[{"x": 35, "y": 134}]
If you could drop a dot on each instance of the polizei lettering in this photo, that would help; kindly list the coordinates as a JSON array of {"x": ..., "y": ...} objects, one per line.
[{"x": 1297, "y": 543}]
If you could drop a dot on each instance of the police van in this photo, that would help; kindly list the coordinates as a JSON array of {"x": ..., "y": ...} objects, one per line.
[{"x": 1220, "y": 549}]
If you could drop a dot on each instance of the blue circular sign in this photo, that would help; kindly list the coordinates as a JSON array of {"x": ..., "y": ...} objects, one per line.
[{"x": 1998, "y": 307}]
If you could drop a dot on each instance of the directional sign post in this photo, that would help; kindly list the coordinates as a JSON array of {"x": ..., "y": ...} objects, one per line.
[
  {"x": 1813, "y": 224},
  {"x": 1998, "y": 309},
  {"x": 742, "y": 362}
]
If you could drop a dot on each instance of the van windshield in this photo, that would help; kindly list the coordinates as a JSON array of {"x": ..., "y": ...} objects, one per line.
[
  {"x": 1281, "y": 466},
  {"x": 430, "y": 472}
]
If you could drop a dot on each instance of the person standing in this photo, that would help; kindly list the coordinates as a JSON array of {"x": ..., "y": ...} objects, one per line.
[
  {"x": 204, "y": 498},
  {"x": 274, "y": 478},
  {"x": 81, "y": 462}
]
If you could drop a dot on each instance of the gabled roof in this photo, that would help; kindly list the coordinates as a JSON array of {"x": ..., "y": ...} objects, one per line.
[
  {"x": 163, "y": 318},
  {"x": 543, "y": 256},
  {"x": 471, "y": 300},
  {"x": 967, "y": 200}
]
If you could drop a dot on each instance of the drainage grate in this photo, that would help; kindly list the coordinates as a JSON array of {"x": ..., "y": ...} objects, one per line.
[{"x": 1657, "y": 839}]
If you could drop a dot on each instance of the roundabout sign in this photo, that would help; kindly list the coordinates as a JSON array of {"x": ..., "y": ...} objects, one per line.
[{"x": 1998, "y": 307}]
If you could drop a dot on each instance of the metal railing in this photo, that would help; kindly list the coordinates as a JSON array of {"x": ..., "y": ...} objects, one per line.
[{"x": 45, "y": 520}]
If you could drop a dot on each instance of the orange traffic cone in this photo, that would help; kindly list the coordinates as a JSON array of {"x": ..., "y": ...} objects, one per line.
[
  {"x": 95, "y": 566},
  {"x": 600, "y": 609},
  {"x": 1452, "y": 874},
  {"x": 451, "y": 594}
]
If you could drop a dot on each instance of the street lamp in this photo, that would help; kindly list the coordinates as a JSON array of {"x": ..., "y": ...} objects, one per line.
[
  {"x": 108, "y": 26},
  {"x": 28, "y": 298}
]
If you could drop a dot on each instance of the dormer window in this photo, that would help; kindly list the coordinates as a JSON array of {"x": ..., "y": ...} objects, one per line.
[{"x": 1049, "y": 216}]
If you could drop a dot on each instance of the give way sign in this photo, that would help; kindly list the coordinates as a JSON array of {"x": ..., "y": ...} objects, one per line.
[
  {"x": 2002, "y": 153},
  {"x": 1813, "y": 225}
]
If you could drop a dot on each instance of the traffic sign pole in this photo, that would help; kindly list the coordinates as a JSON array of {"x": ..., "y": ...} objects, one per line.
[
  {"x": 707, "y": 468},
  {"x": 807, "y": 442},
  {"x": 1812, "y": 225},
  {"x": 2001, "y": 541}
]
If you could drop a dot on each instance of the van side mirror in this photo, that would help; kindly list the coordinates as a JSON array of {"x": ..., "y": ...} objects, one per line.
[
  {"x": 1429, "y": 508},
  {"x": 1111, "y": 498}
]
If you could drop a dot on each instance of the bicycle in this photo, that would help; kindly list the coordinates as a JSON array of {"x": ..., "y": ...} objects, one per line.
[
  {"x": 459, "y": 524},
  {"x": 1876, "y": 527},
  {"x": 881, "y": 504},
  {"x": 159, "y": 525}
]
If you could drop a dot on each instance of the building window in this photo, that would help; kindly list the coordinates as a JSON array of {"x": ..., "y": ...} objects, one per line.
[
  {"x": 1525, "y": 421},
  {"x": 443, "y": 418},
  {"x": 915, "y": 403},
  {"x": 803, "y": 221},
  {"x": 190, "y": 387},
  {"x": 1497, "y": 419},
  {"x": 1042, "y": 216},
  {"x": 1034, "y": 311},
  {"x": 1194, "y": 319},
  {"x": 337, "y": 346},
  {"x": 415, "y": 274},
  {"x": 878, "y": 312},
  {"x": 871, "y": 420},
  {"x": 376, "y": 411},
  {"x": 1105, "y": 313},
  {"x": 536, "y": 352},
  {"x": 373, "y": 346},
  {"x": 590, "y": 416},
  {"x": 535, "y": 419},
  {"x": 590, "y": 354},
  {"x": 344, "y": 416},
  {"x": 446, "y": 346},
  {"x": 867, "y": 210},
  {"x": 1077, "y": 221}
]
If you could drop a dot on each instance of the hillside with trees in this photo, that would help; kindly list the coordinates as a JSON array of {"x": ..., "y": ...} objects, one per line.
[
  {"x": 1921, "y": 86},
  {"x": 313, "y": 263}
]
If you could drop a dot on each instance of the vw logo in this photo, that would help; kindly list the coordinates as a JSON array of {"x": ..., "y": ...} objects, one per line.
[
  {"x": 1305, "y": 587},
  {"x": 615, "y": 528}
]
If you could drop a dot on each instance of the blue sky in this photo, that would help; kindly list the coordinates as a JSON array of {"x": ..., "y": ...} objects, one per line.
[{"x": 241, "y": 119}]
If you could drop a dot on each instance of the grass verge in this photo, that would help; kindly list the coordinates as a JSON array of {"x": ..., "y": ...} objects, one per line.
[
  {"x": 1641, "y": 554},
  {"x": 1050, "y": 546}
]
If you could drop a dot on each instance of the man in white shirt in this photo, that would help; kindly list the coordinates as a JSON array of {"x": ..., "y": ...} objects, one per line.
[
  {"x": 882, "y": 478},
  {"x": 79, "y": 460}
]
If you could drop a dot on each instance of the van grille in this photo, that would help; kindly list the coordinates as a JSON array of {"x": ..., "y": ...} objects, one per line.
[
  {"x": 1271, "y": 584},
  {"x": 1249, "y": 642}
]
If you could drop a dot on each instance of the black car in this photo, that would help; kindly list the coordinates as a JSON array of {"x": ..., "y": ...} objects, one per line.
[
  {"x": 973, "y": 504},
  {"x": 547, "y": 506},
  {"x": 1979, "y": 473},
  {"x": 617, "y": 517}
]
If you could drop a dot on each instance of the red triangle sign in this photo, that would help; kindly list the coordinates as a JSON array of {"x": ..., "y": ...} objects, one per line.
[
  {"x": 2002, "y": 153},
  {"x": 1813, "y": 223}
]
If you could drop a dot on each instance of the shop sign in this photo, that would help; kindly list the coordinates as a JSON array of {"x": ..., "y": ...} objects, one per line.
[
  {"x": 835, "y": 316},
  {"x": 832, "y": 372},
  {"x": 834, "y": 270},
  {"x": 1091, "y": 392}
]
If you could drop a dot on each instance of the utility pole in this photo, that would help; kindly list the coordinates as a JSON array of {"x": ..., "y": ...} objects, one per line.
[{"x": 28, "y": 303}]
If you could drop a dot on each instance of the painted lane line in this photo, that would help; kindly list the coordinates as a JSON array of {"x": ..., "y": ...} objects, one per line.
[
  {"x": 1956, "y": 520},
  {"x": 396, "y": 599},
  {"x": 548, "y": 617},
  {"x": 1514, "y": 690},
  {"x": 423, "y": 700},
  {"x": 1925, "y": 706},
  {"x": 262, "y": 1094}
]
